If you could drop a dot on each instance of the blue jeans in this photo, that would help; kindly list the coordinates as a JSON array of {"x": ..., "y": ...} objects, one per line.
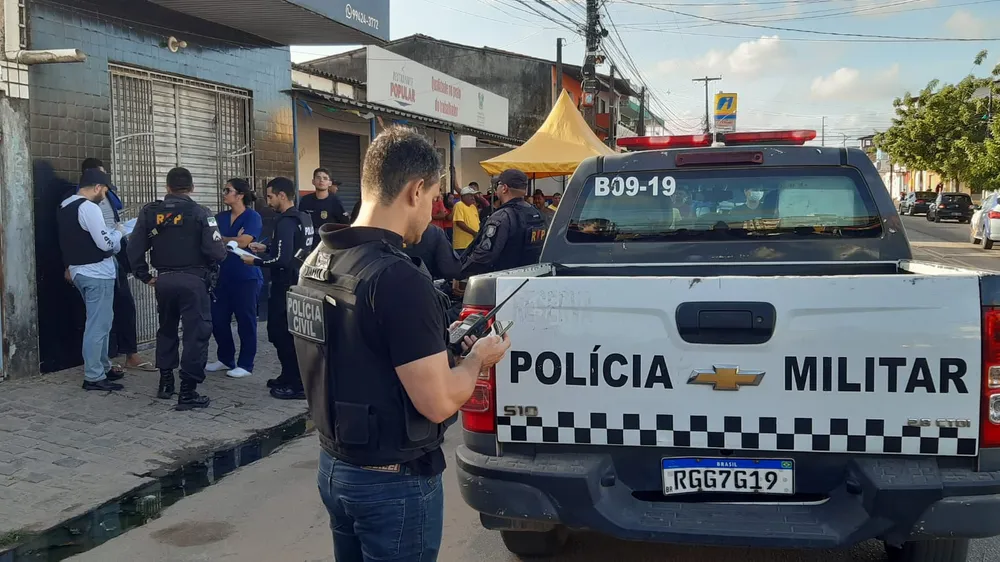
[
  {"x": 381, "y": 516},
  {"x": 99, "y": 296},
  {"x": 237, "y": 298}
]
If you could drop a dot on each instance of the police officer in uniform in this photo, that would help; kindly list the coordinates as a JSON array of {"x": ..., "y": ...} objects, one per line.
[
  {"x": 293, "y": 233},
  {"x": 186, "y": 250},
  {"x": 513, "y": 234},
  {"x": 370, "y": 331}
]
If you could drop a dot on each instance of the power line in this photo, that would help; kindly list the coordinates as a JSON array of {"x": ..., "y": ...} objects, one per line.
[
  {"x": 812, "y": 31},
  {"x": 567, "y": 18},
  {"x": 829, "y": 13},
  {"x": 545, "y": 16},
  {"x": 634, "y": 69}
]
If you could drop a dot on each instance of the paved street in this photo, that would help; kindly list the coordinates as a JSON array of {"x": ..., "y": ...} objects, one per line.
[
  {"x": 64, "y": 451},
  {"x": 271, "y": 510},
  {"x": 948, "y": 243}
]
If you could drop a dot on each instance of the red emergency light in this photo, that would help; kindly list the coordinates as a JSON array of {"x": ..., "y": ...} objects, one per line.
[
  {"x": 797, "y": 137},
  {"x": 791, "y": 137},
  {"x": 676, "y": 141}
]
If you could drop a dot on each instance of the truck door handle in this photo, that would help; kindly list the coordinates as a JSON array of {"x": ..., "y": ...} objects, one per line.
[{"x": 726, "y": 323}]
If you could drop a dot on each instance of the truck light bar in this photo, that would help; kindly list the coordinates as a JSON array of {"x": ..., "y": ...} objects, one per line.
[
  {"x": 676, "y": 141},
  {"x": 791, "y": 137},
  {"x": 798, "y": 137}
]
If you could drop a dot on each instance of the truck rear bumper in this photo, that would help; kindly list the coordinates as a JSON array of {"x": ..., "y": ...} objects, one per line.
[{"x": 894, "y": 499}]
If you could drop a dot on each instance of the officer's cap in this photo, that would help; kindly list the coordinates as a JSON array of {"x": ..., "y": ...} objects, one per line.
[
  {"x": 94, "y": 176},
  {"x": 514, "y": 179}
]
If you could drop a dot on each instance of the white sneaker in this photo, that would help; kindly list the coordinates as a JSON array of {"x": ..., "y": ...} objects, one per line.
[
  {"x": 217, "y": 366},
  {"x": 239, "y": 373}
]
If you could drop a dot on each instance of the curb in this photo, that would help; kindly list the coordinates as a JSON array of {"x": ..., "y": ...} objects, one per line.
[{"x": 144, "y": 503}]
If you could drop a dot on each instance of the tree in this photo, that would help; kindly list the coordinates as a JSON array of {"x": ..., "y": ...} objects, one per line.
[{"x": 941, "y": 129}]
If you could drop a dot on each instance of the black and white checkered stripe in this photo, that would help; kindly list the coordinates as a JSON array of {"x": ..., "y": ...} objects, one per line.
[{"x": 840, "y": 435}]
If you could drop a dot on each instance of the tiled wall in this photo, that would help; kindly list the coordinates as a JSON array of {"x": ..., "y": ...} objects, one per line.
[
  {"x": 14, "y": 79},
  {"x": 70, "y": 114}
]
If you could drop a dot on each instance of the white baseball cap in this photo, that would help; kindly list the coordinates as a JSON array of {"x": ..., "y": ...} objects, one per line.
[{"x": 468, "y": 191}]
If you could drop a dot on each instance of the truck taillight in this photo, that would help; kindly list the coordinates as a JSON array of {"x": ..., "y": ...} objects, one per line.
[
  {"x": 941, "y": 206},
  {"x": 479, "y": 413},
  {"x": 919, "y": 201},
  {"x": 991, "y": 378},
  {"x": 993, "y": 214}
]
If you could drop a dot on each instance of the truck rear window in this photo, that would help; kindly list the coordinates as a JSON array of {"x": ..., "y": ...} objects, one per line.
[{"x": 730, "y": 203}]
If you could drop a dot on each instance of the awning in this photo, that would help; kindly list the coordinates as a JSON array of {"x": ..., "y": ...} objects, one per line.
[
  {"x": 298, "y": 22},
  {"x": 365, "y": 107},
  {"x": 556, "y": 149}
]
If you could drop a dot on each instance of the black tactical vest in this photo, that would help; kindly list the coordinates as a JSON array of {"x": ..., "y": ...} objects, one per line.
[
  {"x": 75, "y": 243},
  {"x": 362, "y": 413},
  {"x": 304, "y": 236},
  {"x": 526, "y": 237},
  {"x": 176, "y": 244}
]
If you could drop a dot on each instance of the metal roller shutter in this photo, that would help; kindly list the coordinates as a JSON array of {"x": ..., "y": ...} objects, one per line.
[
  {"x": 160, "y": 121},
  {"x": 164, "y": 133},
  {"x": 186, "y": 135},
  {"x": 341, "y": 154},
  {"x": 199, "y": 145}
]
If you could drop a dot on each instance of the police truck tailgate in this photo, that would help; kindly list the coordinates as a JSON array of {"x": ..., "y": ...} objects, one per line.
[{"x": 859, "y": 364}]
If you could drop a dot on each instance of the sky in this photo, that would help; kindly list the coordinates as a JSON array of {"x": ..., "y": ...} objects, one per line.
[{"x": 818, "y": 65}]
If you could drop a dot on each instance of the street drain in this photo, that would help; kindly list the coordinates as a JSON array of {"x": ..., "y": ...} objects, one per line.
[{"x": 144, "y": 504}]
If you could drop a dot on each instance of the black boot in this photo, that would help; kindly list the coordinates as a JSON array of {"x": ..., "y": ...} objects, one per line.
[
  {"x": 188, "y": 399},
  {"x": 166, "y": 389}
]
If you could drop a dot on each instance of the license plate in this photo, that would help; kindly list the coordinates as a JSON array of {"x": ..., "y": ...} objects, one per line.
[{"x": 736, "y": 476}]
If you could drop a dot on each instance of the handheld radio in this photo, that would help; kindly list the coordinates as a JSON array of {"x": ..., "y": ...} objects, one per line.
[{"x": 477, "y": 325}]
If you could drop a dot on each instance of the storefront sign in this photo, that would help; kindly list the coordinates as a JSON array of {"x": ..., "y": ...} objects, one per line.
[
  {"x": 367, "y": 16},
  {"x": 400, "y": 82}
]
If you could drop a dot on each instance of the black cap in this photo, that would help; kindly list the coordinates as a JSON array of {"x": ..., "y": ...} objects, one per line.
[
  {"x": 514, "y": 179},
  {"x": 94, "y": 176}
]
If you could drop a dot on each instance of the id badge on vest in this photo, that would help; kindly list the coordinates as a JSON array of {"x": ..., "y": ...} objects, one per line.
[{"x": 306, "y": 312}]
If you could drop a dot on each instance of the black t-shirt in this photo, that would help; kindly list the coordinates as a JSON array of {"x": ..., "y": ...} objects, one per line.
[
  {"x": 409, "y": 324},
  {"x": 323, "y": 211}
]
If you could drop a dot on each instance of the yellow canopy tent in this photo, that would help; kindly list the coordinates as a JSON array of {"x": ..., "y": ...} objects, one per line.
[{"x": 556, "y": 149}]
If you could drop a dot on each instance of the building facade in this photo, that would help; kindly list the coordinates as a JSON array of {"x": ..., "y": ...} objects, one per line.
[
  {"x": 166, "y": 83},
  {"x": 529, "y": 83},
  {"x": 335, "y": 120}
]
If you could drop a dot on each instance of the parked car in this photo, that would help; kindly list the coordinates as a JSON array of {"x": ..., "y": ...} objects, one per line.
[
  {"x": 916, "y": 202},
  {"x": 952, "y": 205},
  {"x": 751, "y": 376},
  {"x": 985, "y": 224}
]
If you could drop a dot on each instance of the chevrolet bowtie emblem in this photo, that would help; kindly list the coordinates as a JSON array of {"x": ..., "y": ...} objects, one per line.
[{"x": 726, "y": 377}]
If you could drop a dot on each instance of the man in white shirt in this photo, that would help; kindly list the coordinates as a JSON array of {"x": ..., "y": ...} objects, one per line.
[
  {"x": 88, "y": 250},
  {"x": 123, "y": 329}
]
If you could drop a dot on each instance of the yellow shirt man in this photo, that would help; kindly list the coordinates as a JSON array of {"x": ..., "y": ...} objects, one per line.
[{"x": 467, "y": 214}]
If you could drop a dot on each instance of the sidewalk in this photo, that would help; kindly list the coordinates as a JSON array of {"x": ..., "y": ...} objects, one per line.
[{"x": 64, "y": 451}]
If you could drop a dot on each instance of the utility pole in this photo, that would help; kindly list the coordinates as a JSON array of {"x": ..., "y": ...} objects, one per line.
[
  {"x": 706, "y": 80},
  {"x": 590, "y": 63},
  {"x": 612, "y": 111},
  {"x": 640, "y": 128},
  {"x": 822, "y": 135},
  {"x": 559, "y": 70}
]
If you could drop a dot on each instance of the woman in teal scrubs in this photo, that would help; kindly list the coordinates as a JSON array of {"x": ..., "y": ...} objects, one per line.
[{"x": 239, "y": 285}]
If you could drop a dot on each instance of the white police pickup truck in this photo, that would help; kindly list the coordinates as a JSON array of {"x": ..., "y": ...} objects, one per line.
[{"x": 733, "y": 346}]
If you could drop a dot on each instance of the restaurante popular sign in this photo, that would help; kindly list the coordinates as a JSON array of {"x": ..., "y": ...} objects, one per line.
[{"x": 397, "y": 81}]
